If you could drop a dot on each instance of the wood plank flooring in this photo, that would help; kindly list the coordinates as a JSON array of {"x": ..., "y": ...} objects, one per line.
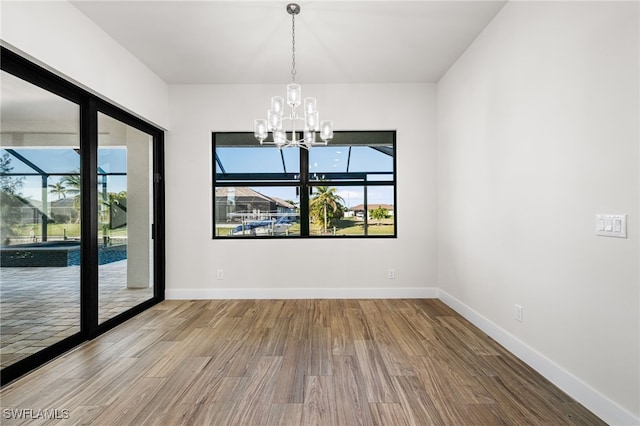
[{"x": 291, "y": 362}]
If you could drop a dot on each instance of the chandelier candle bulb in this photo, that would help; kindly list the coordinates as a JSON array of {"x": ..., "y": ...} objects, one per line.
[
  {"x": 310, "y": 105},
  {"x": 309, "y": 137},
  {"x": 311, "y": 121},
  {"x": 279, "y": 138},
  {"x": 326, "y": 130},
  {"x": 277, "y": 104},
  {"x": 275, "y": 120},
  {"x": 294, "y": 91},
  {"x": 260, "y": 130}
]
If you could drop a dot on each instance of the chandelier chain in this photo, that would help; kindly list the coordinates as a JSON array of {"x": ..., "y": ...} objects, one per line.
[{"x": 293, "y": 47}]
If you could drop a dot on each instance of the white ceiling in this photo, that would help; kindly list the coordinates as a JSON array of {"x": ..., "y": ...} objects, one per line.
[{"x": 226, "y": 42}]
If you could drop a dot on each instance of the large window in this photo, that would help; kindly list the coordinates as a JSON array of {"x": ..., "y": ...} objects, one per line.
[{"x": 344, "y": 189}]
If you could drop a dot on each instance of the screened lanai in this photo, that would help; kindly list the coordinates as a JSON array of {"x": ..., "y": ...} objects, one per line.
[
  {"x": 263, "y": 191},
  {"x": 41, "y": 193},
  {"x": 59, "y": 241},
  {"x": 40, "y": 252}
]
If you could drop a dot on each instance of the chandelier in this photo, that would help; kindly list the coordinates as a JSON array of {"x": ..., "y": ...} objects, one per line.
[{"x": 286, "y": 129}]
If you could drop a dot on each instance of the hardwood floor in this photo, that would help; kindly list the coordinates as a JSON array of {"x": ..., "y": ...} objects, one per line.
[{"x": 292, "y": 362}]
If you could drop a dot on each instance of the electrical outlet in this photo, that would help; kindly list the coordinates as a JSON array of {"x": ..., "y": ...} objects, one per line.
[
  {"x": 391, "y": 274},
  {"x": 518, "y": 313},
  {"x": 220, "y": 274}
]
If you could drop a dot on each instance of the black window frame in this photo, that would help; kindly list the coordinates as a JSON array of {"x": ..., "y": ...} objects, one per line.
[{"x": 305, "y": 184}]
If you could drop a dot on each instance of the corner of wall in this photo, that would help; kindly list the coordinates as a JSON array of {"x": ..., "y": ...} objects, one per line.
[{"x": 598, "y": 403}]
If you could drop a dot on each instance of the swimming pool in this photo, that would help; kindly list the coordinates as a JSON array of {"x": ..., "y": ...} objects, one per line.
[{"x": 55, "y": 253}]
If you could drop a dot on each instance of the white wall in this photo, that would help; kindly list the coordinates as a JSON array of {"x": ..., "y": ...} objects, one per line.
[
  {"x": 58, "y": 36},
  {"x": 537, "y": 133},
  {"x": 300, "y": 267}
]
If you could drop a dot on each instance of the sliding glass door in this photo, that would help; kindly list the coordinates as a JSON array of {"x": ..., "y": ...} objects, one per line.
[
  {"x": 81, "y": 216},
  {"x": 125, "y": 200},
  {"x": 40, "y": 213}
]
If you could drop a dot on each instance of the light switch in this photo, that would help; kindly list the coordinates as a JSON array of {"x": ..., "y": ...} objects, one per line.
[{"x": 611, "y": 225}]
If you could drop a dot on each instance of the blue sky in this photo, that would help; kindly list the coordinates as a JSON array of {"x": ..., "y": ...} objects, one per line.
[
  {"x": 323, "y": 159},
  {"x": 237, "y": 159},
  {"x": 66, "y": 160}
]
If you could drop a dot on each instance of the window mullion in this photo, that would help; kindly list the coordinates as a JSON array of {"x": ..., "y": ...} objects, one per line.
[{"x": 304, "y": 192}]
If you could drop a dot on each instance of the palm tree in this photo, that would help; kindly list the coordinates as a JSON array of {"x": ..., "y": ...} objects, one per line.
[
  {"x": 10, "y": 199},
  {"x": 72, "y": 186},
  {"x": 58, "y": 189},
  {"x": 325, "y": 198},
  {"x": 71, "y": 183}
]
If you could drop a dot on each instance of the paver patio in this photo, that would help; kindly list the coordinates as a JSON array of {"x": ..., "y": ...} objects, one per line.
[{"x": 41, "y": 305}]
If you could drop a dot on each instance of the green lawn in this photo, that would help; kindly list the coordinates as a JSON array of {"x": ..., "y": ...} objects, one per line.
[
  {"x": 57, "y": 230},
  {"x": 350, "y": 226}
]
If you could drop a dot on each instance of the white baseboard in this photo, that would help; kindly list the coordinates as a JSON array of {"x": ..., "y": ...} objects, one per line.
[
  {"x": 302, "y": 293},
  {"x": 593, "y": 400}
]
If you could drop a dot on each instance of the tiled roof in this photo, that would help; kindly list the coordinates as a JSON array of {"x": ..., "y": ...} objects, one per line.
[
  {"x": 243, "y": 192},
  {"x": 360, "y": 207}
]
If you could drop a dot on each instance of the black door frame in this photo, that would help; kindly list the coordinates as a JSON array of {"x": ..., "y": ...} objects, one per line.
[{"x": 90, "y": 105}]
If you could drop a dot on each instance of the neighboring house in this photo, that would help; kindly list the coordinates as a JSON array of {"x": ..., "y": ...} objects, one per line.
[
  {"x": 59, "y": 211},
  {"x": 30, "y": 212},
  {"x": 63, "y": 209},
  {"x": 358, "y": 210},
  {"x": 234, "y": 204}
]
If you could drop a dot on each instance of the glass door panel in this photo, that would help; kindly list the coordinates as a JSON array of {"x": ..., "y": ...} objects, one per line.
[
  {"x": 39, "y": 219},
  {"x": 125, "y": 212}
]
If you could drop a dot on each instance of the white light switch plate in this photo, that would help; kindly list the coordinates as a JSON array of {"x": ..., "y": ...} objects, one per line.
[{"x": 611, "y": 225}]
